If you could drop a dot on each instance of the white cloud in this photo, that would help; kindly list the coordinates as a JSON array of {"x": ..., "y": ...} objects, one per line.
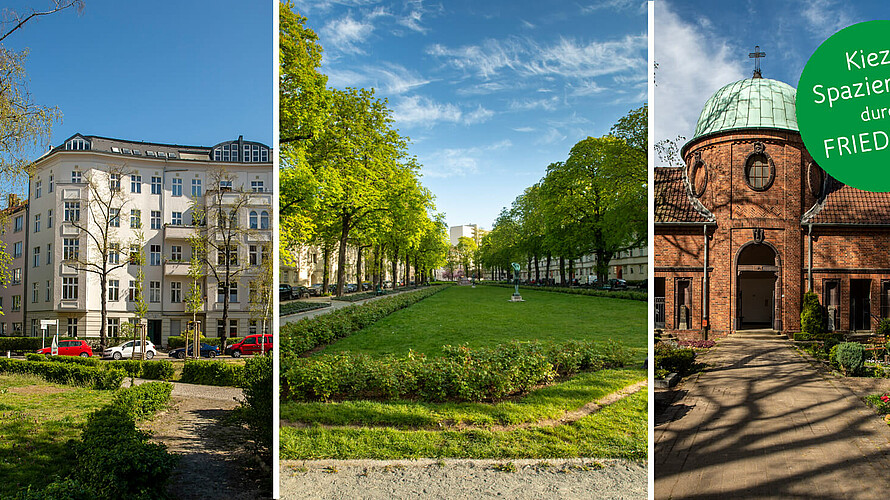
[
  {"x": 614, "y": 5},
  {"x": 389, "y": 78},
  {"x": 824, "y": 18},
  {"x": 423, "y": 111},
  {"x": 482, "y": 88},
  {"x": 692, "y": 64},
  {"x": 547, "y": 104},
  {"x": 346, "y": 34},
  {"x": 524, "y": 129},
  {"x": 459, "y": 162},
  {"x": 552, "y": 136}
]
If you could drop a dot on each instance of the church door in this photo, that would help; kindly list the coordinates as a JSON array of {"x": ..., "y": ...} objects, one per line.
[
  {"x": 757, "y": 280},
  {"x": 860, "y": 305}
]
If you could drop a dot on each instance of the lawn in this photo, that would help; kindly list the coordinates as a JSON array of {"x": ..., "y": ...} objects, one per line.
[
  {"x": 523, "y": 427},
  {"x": 37, "y": 419},
  {"x": 483, "y": 316}
]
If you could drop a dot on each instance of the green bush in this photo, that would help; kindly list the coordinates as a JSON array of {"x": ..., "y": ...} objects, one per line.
[
  {"x": 674, "y": 359},
  {"x": 205, "y": 372},
  {"x": 142, "y": 401},
  {"x": 850, "y": 357},
  {"x": 613, "y": 294},
  {"x": 132, "y": 367},
  {"x": 297, "y": 307},
  {"x": 66, "y": 373},
  {"x": 117, "y": 459},
  {"x": 31, "y": 356},
  {"x": 811, "y": 322},
  {"x": 258, "y": 396},
  {"x": 77, "y": 360},
  {"x": 880, "y": 402},
  {"x": 305, "y": 335},
  {"x": 60, "y": 489},
  {"x": 162, "y": 369},
  {"x": 883, "y": 327},
  {"x": 461, "y": 374}
]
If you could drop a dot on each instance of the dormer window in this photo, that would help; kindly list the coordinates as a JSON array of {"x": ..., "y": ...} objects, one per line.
[{"x": 77, "y": 144}]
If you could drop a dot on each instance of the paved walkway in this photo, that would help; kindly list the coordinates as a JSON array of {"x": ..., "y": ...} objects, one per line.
[
  {"x": 334, "y": 305},
  {"x": 218, "y": 393},
  {"x": 762, "y": 422}
]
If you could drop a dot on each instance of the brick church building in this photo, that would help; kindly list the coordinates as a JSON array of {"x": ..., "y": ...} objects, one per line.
[{"x": 750, "y": 223}]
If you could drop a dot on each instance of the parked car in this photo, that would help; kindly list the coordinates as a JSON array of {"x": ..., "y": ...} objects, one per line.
[
  {"x": 618, "y": 284},
  {"x": 316, "y": 290},
  {"x": 300, "y": 292},
  {"x": 125, "y": 350},
  {"x": 207, "y": 351},
  {"x": 250, "y": 344},
  {"x": 70, "y": 348},
  {"x": 285, "y": 292},
  {"x": 367, "y": 286},
  {"x": 351, "y": 287}
]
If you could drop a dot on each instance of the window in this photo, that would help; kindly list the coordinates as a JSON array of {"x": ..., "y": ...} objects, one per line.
[
  {"x": 70, "y": 248},
  {"x": 114, "y": 217},
  {"x": 49, "y": 218},
  {"x": 220, "y": 328},
  {"x": 69, "y": 288},
  {"x": 36, "y": 257},
  {"x": 155, "y": 185},
  {"x": 49, "y": 253},
  {"x": 176, "y": 253},
  {"x": 114, "y": 253},
  {"x": 175, "y": 292},
  {"x": 114, "y": 182},
  {"x": 233, "y": 328},
  {"x": 19, "y": 223},
  {"x": 176, "y": 219},
  {"x": 233, "y": 256},
  {"x": 257, "y": 186},
  {"x": 35, "y": 292},
  {"x": 253, "y": 257},
  {"x": 197, "y": 220},
  {"x": 50, "y": 182},
  {"x": 264, "y": 220},
  {"x": 196, "y": 187},
  {"x": 225, "y": 185},
  {"x": 36, "y": 223},
  {"x": 759, "y": 171},
  {"x": 134, "y": 254},
  {"x": 17, "y": 250},
  {"x": 76, "y": 176},
  {"x": 135, "y": 218},
  {"x": 72, "y": 211},
  {"x": 155, "y": 219},
  {"x": 264, "y": 155},
  {"x": 16, "y": 303},
  {"x": 114, "y": 327},
  {"x": 49, "y": 291},
  {"x": 154, "y": 291},
  {"x": 254, "y": 224},
  {"x": 38, "y": 188},
  {"x": 77, "y": 145},
  {"x": 132, "y": 292},
  {"x": 251, "y": 330},
  {"x": 17, "y": 276},
  {"x": 177, "y": 187},
  {"x": 135, "y": 183},
  {"x": 154, "y": 255},
  {"x": 114, "y": 290},
  {"x": 72, "y": 327},
  {"x": 221, "y": 292}
]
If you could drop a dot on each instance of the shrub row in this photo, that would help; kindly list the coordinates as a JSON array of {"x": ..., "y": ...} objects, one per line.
[
  {"x": 23, "y": 344},
  {"x": 142, "y": 401},
  {"x": 700, "y": 344},
  {"x": 177, "y": 341},
  {"x": 671, "y": 359},
  {"x": 297, "y": 307},
  {"x": 461, "y": 374},
  {"x": 836, "y": 338},
  {"x": 302, "y": 336},
  {"x": 258, "y": 395},
  {"x": 161, "y": 369},
  {"x": 66, "y": 373},
  {"x": 880, "y": 402},
  {"x": 205, "y": 372},
  {"x": 613, "y": 294}
]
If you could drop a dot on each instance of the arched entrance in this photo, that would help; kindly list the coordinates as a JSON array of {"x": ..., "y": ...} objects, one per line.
[{"x": 758, "y": 282}]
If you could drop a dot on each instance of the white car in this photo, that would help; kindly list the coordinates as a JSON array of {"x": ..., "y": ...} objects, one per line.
[{"x": 125, "y": 350}]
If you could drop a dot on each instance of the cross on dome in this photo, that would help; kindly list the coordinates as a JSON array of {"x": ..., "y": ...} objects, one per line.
[{"x": 756, "y": 55}]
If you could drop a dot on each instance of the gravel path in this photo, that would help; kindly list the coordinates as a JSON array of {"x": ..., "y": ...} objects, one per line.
[
  {"x": 459, "y": 479},
  {"x": 209, "y": 392},
  {"x": 334, "y": 305}
]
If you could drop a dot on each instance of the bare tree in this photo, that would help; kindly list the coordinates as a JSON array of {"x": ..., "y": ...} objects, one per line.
[
  {"x": 12, "y": 20},
  {"x": 97, "y": 214}
]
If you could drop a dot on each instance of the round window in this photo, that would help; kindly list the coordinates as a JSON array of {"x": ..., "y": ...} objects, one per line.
[{"x": 759, "y": 171}]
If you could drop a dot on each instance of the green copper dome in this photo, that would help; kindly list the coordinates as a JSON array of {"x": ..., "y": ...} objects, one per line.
[{"x": 749, "y": 103}]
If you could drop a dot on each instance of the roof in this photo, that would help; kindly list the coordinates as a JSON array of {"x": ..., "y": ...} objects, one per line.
[
  {"x": 154, "y": 149},
  {"x": 674, "y": 203},
  {"x": 749, "y": 103},
  {"x": 844, "y": 205}
]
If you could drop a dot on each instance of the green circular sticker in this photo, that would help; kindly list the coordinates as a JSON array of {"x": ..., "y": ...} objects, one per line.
[{"x": 843, "y": 105}]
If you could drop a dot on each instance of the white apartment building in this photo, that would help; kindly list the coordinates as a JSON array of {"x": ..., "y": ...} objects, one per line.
[
  {"x": 159, "y": 192},
  {"x": 630, "y": 265},
  {"x": 13, "y": 233}
]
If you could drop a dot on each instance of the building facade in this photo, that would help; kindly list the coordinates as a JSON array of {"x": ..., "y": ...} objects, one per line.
[
  {"x": 13, "y": 233},
  {"x": 99, "y": 206},
  {"x": 750, "y": 223}
]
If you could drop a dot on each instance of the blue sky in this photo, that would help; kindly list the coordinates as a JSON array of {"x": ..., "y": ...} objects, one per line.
[
  {"x": 701, "y": 46},
  {"x": 161, "y": 71},
  {"x": 490, "y": 93}
]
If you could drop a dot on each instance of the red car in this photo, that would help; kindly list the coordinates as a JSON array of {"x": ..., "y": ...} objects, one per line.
[
  {"x": 70, "y": 348},
  {"x": 250, "y": 345}
]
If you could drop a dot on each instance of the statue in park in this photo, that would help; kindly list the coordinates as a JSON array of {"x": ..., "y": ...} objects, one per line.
[{"x": 516, "y": 297}]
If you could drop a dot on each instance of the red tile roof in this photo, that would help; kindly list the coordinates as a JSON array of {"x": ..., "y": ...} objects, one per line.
[
  {"x": 674, "y": 204},
  {"x": 842, "y": 204}
]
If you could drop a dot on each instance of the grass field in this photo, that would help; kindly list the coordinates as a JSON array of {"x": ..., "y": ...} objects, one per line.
[
  {"x": 37, "y": 419},
  {"x": 518, "y": 428},
  {"x": 483, "y": 316}
]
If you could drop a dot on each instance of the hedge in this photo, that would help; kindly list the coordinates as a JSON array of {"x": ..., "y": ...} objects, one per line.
[
  {"x": 307, "y": 334},
  {"x": 177, "y": 341},
  {"x": 24, "y": 344},
  {"x": 142, "y": 401},
  {"x": 206, "y": 372},
  {"x": 158, "y": 370},
  {"x": 616, "y": 294},
  {"x": 258, "y": 396},
  {"x": 297, "y": 307},
  {"x": 461, "y": 374},
  {"x": 674, "y": 359},
  {"x": 66, "y": 373}
]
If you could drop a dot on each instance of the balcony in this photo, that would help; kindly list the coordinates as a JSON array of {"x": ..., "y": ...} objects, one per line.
[
  {"x": 176, "y": 268},
  {"x": 172, "y": 232}
]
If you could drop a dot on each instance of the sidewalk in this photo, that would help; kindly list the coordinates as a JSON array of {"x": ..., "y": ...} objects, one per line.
[
  {"x": 762, "y": 422},
  {"x": 196, "y": 391},
  {"x": 335, "y": 304}
]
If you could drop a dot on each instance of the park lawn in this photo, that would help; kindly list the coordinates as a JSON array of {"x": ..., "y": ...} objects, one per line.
[
  {"x": 37, "y": 419},
  {"x": 484, "y": 317},
  {"x": 548, "y": 402},
  {"x": 617, "y": 431}
]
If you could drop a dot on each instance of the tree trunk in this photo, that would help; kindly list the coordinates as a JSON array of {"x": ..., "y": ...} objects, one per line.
[
  {"x": 326, "y": 268},
  {"x": 416, "y": 278},
  {"x": 395, "y": 268},
  {"x": 346, "y": 220},
  {"x": 562, "y": 270},
  {"x": 547, "y": 269},
  {"x": 104, "y": 314},
  {"x": 537, "y": 269},
  {"x": 528, "y": 268}
]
